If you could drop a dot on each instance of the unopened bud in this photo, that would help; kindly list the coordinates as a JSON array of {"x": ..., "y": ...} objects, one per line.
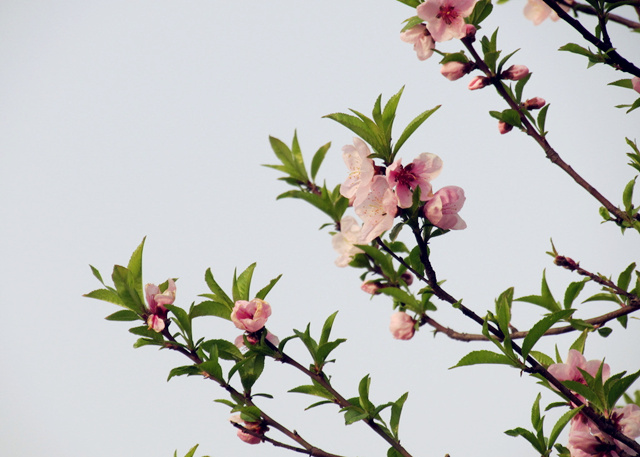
[
  {"x": 503, "y": 127},
  {"x": 534, "y": 103},
  {"x": 478, "y": 82},
  {"x": 370, "y": 287},
  {"x": 455, "y": 70},
  {"x": 566, "y": 262},
  {"x": 470, "y": 32},
  {"x": 515, "y": 72},
  {"x": 407, "y": 278}
]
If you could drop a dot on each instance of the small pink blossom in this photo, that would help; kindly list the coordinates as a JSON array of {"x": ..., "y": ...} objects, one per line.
[
  {"x": 470, "y": 31},
  {"x": 534, "y": 103},
  {"x": 239, "y": 341},
  {"x": 628, "y": 419},
  {"x": 343, "y": 241},
  {"x": 581, "y": 442},
  {"x": 503, "y": 127},
  {"x": 454, "y": 70},
  {"x": 421, "y": 39},
  {"x": 360, "y": 167},
  {"x": 445, "y": 18},
  {"x": 250, "y": 315},
  {"x": 515, "y": 72},
  {"x": 537, "y": 11},
  {"x": 370, "y": 287},
  {"x": 402, "y": 326},
  {"x": 418, "y": 173},
  {"x": 377, "y": 210},
  {"x": 570, "y": 370},
  {"x": 442, "y": 209},
  {"x": 478, "y": 82},
  {"x": 156, "y": 301},
  {"x": 635, "y": 83},
  {"x": 255, "y": 427}
]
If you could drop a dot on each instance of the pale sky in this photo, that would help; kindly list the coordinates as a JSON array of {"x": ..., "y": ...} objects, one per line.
[{"x": 125, "y": 119}]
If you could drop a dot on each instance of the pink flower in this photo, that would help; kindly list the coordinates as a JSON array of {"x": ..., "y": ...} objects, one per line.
[
  {"x": 377, "y": 210},
  {"x": 445, "y": 18},
  {"x": 478, "y": 82},
  {"x": 635, "y": 83},
  {"x": 370, "y": 287},
  {"x": 581, "y": 442},
  {"x": 343, "y": 241},
  {"x": 156, "y": 301},
  {"x": 418, "y": 173},
  {"x": 402, "y": 326},
  {"x": 503, "y": 127},
  {"x": 250, "y": 315},
  {"x": 422, "y": 41},
  {"x": 534, "y": 103},
  {"x": 537, "y": 11},
  {"x": 454, "y": 70},
  {"x": 515, "y": 72},
  {"x": 361, "y": 169},
  {"x": 239, "y": 341},
  {"x": 442, "y": 209},
  {"x": 569, "y": 371},
  {"x": 255, "y": 427}
]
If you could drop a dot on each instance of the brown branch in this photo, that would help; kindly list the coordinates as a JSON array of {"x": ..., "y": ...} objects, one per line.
[
  {"x": 588, "y": 9},
  {"x": 610, "y": 56},
  {"x": 551, "y": 154}
]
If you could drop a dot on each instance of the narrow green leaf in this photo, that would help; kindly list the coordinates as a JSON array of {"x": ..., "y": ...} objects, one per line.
[
  {"x": 97, "y": 274},
  {"x": 211, "y": 308},
  {"x": 192, "y": 451},
  {"x": 107, "y": 295},
  {"x": 318, "y": 158},
  {"x": 296, "y": 153},
  {"x": 188, "y": 370},
  {"x": 396, "y": 411},
  {"x": 217, "y": 290},
  {"x": 326, "y": 329},
  {"x": 572, "y": 292},
  {"x": 123, "y": 315},
  {"x": 412, "y": 127},
  {"x": 574, "y": 48},
  {"x": 627, "y": 194},
  {"x": 182, "y": 318},
  {"x": 363, "y": 391},
  {"x": 325, "y": 349},
  {"x": 542, "y": 118},
  {"x": 619, "y": 388},
  {"x": 481, "y": 357},
  {"x": 135, "y": 268},
  {"x": 411, "y": 3},
  {"x": 262, "y": 294},
  {"x": 317, "y": 391},
  {"x": 540, "y": 327},
  {"x": 559, "y": 426},
  {"x": 128, "y": 292},
  {"x": 535, "y": 414},
  {"x": 242, "y": 284},
  {"x": 625, "y": 277},
  {"x": 625, "y": 83}
]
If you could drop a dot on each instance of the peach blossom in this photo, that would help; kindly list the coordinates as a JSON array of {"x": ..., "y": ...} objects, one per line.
[
  {"x": 421, "y": 39},
  {"x": 442, "y": 209},
  {"x": 377, "y": 210},
  {"x": 454, "y": 70},
  {"x": 418, "y": 173},
  {"x": 515, "y": 72},
  {"x": 343, "y": 241},
  {"x": 635, "y": 83},
  {"x": 478, "y": 82},
  {"x": 250, "y": 315},
  {"x": 402, "y": 326},
  {"x": 361, "y": 169},
  {"x": 445, "y": 18}
]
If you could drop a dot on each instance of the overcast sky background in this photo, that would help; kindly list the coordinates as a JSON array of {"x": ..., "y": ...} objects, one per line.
[{"x": 125, "y": 119}]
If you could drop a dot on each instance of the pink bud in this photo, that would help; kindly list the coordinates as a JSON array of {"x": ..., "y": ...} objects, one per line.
[
  {"x": 370, "y": 287},
  {"x": 635, "y": 82},
  {"x": 255, "y": 427},
  {"x": 407, "y": 278},
  {"x": 454, "y": 70},
  {"x": 402, "y": 326},
  {"x": 478, "y": 82},
  {"x": 534, "y": 103},
  {"x": 470, "y": 32},
  {"x": 515, "y": 72},
  {"x": 503, "y": 127}
]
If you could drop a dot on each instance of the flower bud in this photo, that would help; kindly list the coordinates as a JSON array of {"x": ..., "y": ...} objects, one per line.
[
  {"x": 454, "y": 70},
  {"x": 402, "y": 326},
  {"x": 515, "y": 72},
  {"x": 534, "y": 103},
  {"x": 470, "y": 32},
  {"x": 635, "y": 83},
  {"x": 370, "y": 287},
  {"x": 478, "y": 82},
  {"x": 503, "y": 127},
  {"x": 255, "y": 427},
  {"x": 407, "y": 278}
]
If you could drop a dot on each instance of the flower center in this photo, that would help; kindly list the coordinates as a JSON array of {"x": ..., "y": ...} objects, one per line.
[
  {"x": 405, "y": 176},
  {"x": 448, "y": 14}
]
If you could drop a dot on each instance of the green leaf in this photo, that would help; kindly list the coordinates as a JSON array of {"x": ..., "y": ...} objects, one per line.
[
  {"x": 127, "y": 289},
  {"x": 585, "y": 391},
  {"x": 620, "y": 387},
  {"x": 325, "y": 349},
  {"x": 251, "y": 371},
  {"x": 411, "y": 3},
  {"x": 107, "y": 295},
  {"x": 318, "y": 158},
  {"x": 572, "y": 292},
  {"x": 212, "y": 368},
  {"x": 542, "y": 117},
  {"x": 389, "y": 115},
  {"x": 503, "y": 310},
  {"x": 574, "y": 48},
  {"x": 542, "y": 358},
  {"x": 530, "y": 437},
  {"x": 625, "y": 277},
  {"x": 192, "y": 451},
  {"x": 97, "y": 274},
  {"x": 626, "y": 83},
  {"x": 365, "y": 130},
  {"x": 402, "y": 297},
  {"x": 539, "y": 329},
  {"x": 315, "y": 390},
  {"x": 242, "y": 283},
  {"x": 481, "y": 357},
  {"x": 211, "y": 308},
  {"x": 480, "y": 12},
  {"x": 412, "y": 127},
  {"x": 221, "y": 296},
  {"x": 545, "y": 299},
  {"x": 579, "y": 343},
  {"x": 562, "y": 422},
  {"x": 262, "y": 294},
  {"x": 326, "y": 328},
  {"x": 188, "y": 370},
  {"x": 183, "y": 319},
  {"x": 135, "y": 267},
  {"x": 123, "y": 315},
  {"x": 363, "y": 391},
  {"x": 225, "y": 349},
  {"x": 602, "y": 297},
  {"x": 396, "y": 411},
  {"x": 627, "y": 194},
  {"x": 520, "y": 87}
]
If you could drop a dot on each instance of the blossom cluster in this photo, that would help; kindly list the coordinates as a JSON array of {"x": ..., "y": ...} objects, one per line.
[
  {"x": 377, "y": 192},
  {"x": 156, "y": 313},
  {"x": 585, "y": 438}
]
